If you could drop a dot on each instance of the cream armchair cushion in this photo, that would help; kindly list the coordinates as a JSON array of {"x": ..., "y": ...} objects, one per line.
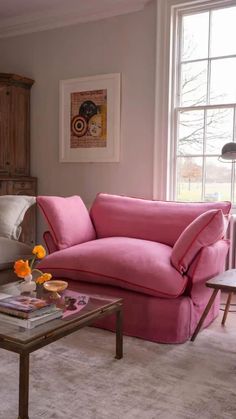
[
  {"x": 10, "y": 251},
  {"x": 12, "y": 211}
]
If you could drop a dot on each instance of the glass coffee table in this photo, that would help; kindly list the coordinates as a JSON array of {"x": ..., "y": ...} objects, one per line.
[{"x": 24, "y": 341}]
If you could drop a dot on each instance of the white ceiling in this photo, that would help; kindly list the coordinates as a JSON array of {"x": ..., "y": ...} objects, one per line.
[{"x": 24, "y": 16}]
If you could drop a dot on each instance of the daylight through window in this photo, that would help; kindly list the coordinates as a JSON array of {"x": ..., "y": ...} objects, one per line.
[{"x": 205, "y": 104}]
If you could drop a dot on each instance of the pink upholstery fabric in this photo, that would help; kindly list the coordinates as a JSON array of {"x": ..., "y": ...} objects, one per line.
[
  {"x": 159, "y": 221},
  {"x": 68, "y": 220},
  {"x": 140, "y": 265},
  {"x": 209, "y": 263},
  {"x": 151, "y": 318},
  {"x": 205, "y": 230},
  {"x": 50, "y": 243},
  {"x": 131, "y": 258}
]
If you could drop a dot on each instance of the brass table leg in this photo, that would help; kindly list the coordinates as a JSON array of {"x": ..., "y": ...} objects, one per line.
[
  {"x": 227, "y": 308},
  {"x": 24, "y": 387},
  {"x": 119, "y": 333},
  {"x": 204, "y": 314}
]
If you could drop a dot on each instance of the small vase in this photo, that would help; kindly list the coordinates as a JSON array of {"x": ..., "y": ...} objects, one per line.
[
  {"x": 28, "y": 285},
  {"x": 39, "y": 290}
]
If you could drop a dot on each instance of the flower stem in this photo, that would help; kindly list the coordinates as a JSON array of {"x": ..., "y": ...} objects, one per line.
[
  {"x": 32, "y": 262},
  {"x": 37, "y": 270}
]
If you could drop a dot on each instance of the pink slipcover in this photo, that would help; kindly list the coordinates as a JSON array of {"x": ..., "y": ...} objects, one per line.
[
  {"x": 208, "y": 263},
  {"x": 50, "y": 243},
  {"x": 205, "y": 230},
  {"x": 68, "y": 220},
  {"x": 140, "y": 265},
  {"x": 152, "y": 318},
  {"x": 130, "y": 257},
  {"x": 159, "y": 221}
]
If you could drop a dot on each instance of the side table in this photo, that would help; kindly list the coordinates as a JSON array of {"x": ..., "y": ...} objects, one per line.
[{"x": 224, "y": 282}]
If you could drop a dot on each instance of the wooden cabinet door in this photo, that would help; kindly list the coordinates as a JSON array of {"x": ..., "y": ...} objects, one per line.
[
  {"x": 4, "y": 129},
  {"x": 3, "y": 187},
  {"x": 19, "y": 131}
]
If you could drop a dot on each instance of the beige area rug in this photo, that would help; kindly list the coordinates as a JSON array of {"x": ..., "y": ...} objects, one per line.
[{"x": 78, "y": 378}]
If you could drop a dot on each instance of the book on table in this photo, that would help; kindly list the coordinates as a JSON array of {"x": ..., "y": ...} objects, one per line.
[
  {"x": 32, "y": 322},
  {"x": 25, "y": 307}
]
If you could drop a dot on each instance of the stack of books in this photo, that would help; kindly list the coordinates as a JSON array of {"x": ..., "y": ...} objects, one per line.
[{"x": 27, "y": 311}]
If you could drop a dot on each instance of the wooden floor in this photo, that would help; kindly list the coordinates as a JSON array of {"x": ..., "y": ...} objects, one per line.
[{"x": 224, "y": 296}]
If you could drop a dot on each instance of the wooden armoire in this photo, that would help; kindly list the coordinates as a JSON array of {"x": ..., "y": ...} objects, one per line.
[{"x": 15, "y": 176}]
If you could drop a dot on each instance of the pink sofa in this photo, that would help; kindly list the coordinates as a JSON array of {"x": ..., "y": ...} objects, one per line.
[{"x": 156, "y": 255}]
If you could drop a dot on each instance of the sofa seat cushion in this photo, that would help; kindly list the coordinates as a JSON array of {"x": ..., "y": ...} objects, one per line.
[{"x": 140, "y": 265}]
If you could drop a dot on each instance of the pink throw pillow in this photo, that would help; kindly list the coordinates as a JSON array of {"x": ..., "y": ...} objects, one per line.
[
  {"x": 205, "y": 230},
  {"x": 68, "y": 219}
]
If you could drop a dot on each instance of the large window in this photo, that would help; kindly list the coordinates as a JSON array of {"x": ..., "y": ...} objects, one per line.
[{"x": 203, "y": 102}]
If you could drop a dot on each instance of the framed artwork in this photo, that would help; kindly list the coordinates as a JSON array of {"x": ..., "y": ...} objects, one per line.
[{"x": 90, "y": 119}]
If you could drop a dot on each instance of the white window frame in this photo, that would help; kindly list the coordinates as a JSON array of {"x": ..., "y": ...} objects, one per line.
[{"x": 166, "y": 54}]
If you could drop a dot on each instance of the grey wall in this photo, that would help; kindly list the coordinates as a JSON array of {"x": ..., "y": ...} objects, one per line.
[{"x": 124, "y": 44}]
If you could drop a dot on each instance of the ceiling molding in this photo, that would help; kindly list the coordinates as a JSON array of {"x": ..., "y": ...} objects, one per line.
[{"x": 55, "y": 19}]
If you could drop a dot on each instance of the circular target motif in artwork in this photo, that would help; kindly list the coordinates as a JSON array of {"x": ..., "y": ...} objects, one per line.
[
  {"x": 87, "y": 109},
  {"x": 79, "y": 126}
]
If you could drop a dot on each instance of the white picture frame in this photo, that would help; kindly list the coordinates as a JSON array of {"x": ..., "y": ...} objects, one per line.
[{"x": 89, "y": 115}]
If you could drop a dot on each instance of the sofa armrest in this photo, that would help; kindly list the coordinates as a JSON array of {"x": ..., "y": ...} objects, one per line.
[
  {"x": 50, "y": 243},
  {"x": 209, "y": 262}
]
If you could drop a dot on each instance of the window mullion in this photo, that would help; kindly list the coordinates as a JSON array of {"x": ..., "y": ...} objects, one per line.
[
  {"x": 233, "y": 164},
  {"x": 178, "y": 76},
  {"x": 232, "y": 181},
  {"x": 205, "y": 111},
  {"x": 204, "y": 157},
  {"x": 234, "y": 125},
  {"x": 199, "y": 60},
  {"x": 202, "y": 107}
]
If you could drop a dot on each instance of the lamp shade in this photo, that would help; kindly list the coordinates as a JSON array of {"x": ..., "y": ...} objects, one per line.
[{"x": 228, "y": 152}]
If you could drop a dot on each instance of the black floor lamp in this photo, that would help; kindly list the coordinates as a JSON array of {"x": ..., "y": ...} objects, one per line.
[{"x": 228, "y": 152}]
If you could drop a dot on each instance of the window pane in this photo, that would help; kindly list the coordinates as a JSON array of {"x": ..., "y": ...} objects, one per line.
[
  {"x": 218, "y": 180},
  {"x": 223, "y": 85},
  {"x": 195, "y": 41},
  {"x": 223, "y": 33},
  {"x": 189, "y": 179},
  {"x": 193, "y": 84},
  {"x": 190, "y": 138},
  {"x": 219, "y": 129},
  {"x": 234, "y": 197}
]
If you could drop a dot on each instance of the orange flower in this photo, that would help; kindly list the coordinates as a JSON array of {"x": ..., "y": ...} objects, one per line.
[
  {"x": 21, "y": 268},
  {"x": 39, "y": 251},
  {"x": 43, "y": 278}
]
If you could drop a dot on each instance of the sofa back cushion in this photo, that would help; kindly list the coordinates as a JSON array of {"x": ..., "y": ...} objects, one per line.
[
  {"x": 12, "y": 212},
  {"x": 205, "y": 230},
  {"x": 68, "y": 220},
  {"x": 159, "y": 221}
]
